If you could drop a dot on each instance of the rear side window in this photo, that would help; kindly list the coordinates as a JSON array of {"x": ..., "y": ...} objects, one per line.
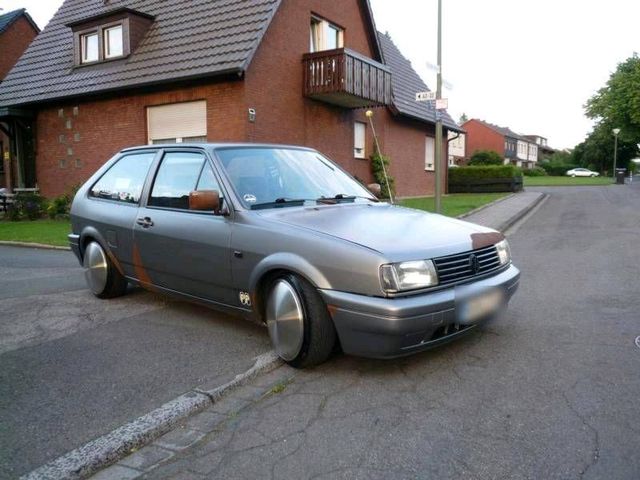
[
  {"x": 177, "y": 176},
  {"x": 123, "y": 182}
]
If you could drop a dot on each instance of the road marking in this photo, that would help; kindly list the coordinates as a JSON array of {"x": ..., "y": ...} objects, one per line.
[{"x": 638, "y": 341}]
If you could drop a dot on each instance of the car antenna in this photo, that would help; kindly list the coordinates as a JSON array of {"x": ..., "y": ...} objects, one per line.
[{"x": 369, "y": 115}]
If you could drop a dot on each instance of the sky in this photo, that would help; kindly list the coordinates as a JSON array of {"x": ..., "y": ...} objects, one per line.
[{"x": 526, "y": 64}]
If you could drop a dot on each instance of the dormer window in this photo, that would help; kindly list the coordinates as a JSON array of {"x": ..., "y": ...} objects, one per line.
[
  {"x": 113, "y": 44},
  {"x": 90, "y": 47},
  {"x": 325, "y": 35},
  {"x": 109, "y": 36}
]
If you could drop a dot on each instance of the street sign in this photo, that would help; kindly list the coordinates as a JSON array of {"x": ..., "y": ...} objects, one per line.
[
  {"x": 442, "y": 103},
  {"x": 425, "y": 96}
]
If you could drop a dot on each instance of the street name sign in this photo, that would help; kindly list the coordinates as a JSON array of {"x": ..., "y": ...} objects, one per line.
[{"x": 425, "y": 96}]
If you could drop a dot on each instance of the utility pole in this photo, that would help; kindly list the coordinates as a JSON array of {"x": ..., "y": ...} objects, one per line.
[{"x": 438, "y": 149}]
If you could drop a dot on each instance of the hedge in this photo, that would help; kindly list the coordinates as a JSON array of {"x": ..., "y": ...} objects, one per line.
[
  {"x": 501, "y": 171},
  {"x": 557, "y": 169},
  {"x": 504, "y": 178}
]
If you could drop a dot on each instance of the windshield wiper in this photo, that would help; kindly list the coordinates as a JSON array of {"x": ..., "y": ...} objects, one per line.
[
  {"x": 351, "y": 198},
  {"x": 282, "y": 202}
]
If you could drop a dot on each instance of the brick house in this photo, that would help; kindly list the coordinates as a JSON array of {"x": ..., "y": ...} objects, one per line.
[
  {"x": 513, "y": 147},
  {"x": 108, "y": 74},
  {"x": 17, "y": 31}
]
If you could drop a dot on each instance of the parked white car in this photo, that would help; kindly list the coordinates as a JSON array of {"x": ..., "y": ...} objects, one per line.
[{"x": 582, "y": 172}]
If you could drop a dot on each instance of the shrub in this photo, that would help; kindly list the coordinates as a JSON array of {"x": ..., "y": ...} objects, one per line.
[
  {"x": 535, "y": 172},
  {"x": 61, "y": 204},
  {"x": 502, "y": 171},
  {"x": 486, "y": 157},
  {"x": 377, "y": 160},
  {"x": 26, "y": 205}
]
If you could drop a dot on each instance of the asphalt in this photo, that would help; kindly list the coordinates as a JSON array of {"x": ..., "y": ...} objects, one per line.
[
  {"x": 549, "y": 390},
  {"x": 75, "y": 367}
]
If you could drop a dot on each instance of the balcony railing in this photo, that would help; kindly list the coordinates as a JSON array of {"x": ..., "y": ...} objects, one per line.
[{"x": 345, "y": 78}]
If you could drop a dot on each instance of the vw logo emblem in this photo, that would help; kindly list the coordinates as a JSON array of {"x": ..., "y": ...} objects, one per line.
[{"x": 474, "y": 265}]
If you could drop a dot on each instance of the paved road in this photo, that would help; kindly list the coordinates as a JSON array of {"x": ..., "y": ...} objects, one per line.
[
  {"x": 548, "y": 391},
  {"x": 73, "y": 367}
]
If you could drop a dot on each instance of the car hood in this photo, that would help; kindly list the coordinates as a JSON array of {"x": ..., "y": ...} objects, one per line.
[{"x": 396, "y": 232}]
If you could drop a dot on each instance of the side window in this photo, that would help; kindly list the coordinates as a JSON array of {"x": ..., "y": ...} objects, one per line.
[
  {"x": 123, "y": 182},
  {"x": 177, "y": 176}
]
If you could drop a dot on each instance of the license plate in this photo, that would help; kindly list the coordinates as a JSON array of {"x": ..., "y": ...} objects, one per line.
[{"x": 480, "y": 306}]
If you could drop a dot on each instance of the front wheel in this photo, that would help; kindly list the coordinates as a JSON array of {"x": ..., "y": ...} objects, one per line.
[
  {"x": 103, "y": 279},
  {"x": 300, "y": 327}
]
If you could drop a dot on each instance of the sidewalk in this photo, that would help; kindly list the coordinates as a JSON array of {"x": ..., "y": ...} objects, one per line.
[{"x": 502, "y": 214}]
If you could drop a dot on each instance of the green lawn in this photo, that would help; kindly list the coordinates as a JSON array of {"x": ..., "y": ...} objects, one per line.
[
  {"x": 565, "y": 181},
  {"x": 50, "y": 232},
  {"x": 454, "y": 204}
]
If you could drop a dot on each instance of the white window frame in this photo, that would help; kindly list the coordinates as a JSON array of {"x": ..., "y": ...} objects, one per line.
[
  {"x": 105, "y": 41},
  {"x": 359, "y": 140},
  {"x": 83, "y": 47},
  {"x": 429, "y": 154},
  {"x": 318, "y": 36}
]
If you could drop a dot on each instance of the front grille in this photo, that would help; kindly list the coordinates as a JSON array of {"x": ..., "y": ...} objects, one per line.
[{"x": 460, "y": 267}]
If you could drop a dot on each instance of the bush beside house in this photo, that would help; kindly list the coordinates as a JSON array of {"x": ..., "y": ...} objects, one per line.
[
  {"x": 483, "y": 179},
  {"x": 485, "y": 157}
]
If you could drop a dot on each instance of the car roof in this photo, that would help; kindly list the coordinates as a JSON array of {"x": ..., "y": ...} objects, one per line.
[{"x": 216, "y": 146}]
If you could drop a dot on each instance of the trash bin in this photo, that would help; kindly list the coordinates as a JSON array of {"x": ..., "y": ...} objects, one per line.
[{"x": 620, "y": 173}]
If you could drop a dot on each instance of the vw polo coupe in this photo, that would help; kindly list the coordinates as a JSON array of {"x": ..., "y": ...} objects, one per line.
[{"x": 283, "y": 235}]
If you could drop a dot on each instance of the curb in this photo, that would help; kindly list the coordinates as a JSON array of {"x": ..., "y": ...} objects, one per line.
[
  {"x": 485, "y": 206},
  {"x": 522, "y": 213},
  {"x": 41, "y": 246},
  {"x": 117, "y": 444}
]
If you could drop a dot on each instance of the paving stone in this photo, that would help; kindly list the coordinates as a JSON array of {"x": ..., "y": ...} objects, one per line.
[
  {"x": 179, "y": 439},
  {"x": 229, "y": 405},
  {"x": 249, "y": 392},
  {"x": 117, "y": 472},
  {"x": 205, "y": 421},
  {"x": 147, "y": 457}
]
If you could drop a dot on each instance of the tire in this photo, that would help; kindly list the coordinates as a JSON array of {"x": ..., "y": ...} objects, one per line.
[
  {"x": 573, "y": 176},
  {"x": 103, "y": 279},
  {"x": 300, "y": 327}
]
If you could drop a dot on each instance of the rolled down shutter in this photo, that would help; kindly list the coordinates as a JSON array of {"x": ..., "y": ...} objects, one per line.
[{"x": 177, "y": 120}]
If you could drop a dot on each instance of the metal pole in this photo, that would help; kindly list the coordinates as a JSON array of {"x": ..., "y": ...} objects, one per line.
[
  {"x": 438, "y": 149},
  {"x": 615, "y": 155},
  {"x": 369, "y": 115}
]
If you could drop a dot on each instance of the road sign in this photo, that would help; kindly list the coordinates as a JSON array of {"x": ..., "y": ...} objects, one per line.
[
  {"x": 442, "y": 104},
  {"x": 425, "y": 96}
]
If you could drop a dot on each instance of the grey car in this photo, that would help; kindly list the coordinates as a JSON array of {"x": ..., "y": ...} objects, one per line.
[{"x": 283, "y": 235}]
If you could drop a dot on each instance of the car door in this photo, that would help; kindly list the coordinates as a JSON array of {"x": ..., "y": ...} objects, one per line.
[
  {"x": 113, "y": 206},
  {"x": 184, "y": 250}
]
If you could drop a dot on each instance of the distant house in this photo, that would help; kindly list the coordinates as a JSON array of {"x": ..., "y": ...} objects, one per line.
[
  {"x": 107, "y": 75},
  {"x": 513, "y": 147},
  {"x": 17, "y": 31},
  {"x": 457, "y": 148},
  {"x": 544, "y": 150}
]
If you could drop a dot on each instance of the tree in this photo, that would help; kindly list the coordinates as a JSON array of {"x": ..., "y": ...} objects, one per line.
[
  {"x": 486, "y": 157},
  {"x": 463, "y": 119},
  {"x": 617, "y": 104}
]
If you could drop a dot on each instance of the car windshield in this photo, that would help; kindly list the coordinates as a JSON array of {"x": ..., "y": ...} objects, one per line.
[{"x": 271, "y": 177}]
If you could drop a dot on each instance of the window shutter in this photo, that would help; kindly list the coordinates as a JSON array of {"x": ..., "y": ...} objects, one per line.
[
  {"x": 177, "y": 120},
  {"x": 429, "y": 154}
]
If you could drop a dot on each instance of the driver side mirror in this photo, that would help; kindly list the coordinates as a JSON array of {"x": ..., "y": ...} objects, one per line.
[
  {"x": 375, "y": 188},
  {"x": 205, "y": 201}
]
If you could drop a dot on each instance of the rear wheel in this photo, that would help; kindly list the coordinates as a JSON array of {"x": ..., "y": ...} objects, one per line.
[
  {"x": 299, "y": 324},
  {"x": 103, "y": 279}
]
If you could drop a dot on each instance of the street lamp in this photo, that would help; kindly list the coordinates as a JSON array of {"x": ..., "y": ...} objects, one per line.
[{"x": 616, "y": 132}]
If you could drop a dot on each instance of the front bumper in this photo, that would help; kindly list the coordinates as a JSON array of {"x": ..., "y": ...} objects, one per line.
[{"x": 392, "y": 327}]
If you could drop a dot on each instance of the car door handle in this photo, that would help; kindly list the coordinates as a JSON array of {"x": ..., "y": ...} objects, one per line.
[{"x": 146, "y": 222}]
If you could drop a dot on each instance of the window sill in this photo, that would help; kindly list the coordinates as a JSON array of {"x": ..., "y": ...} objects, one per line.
[{"x": 101, "y": 62}]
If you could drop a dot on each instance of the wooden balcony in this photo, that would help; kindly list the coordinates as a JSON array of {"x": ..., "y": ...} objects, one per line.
[{"x": 345, "y": 78}]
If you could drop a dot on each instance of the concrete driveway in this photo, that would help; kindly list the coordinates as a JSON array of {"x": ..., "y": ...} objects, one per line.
[
  {"x": 549, "y": 391},
  {"x": 74, "y": 367}
]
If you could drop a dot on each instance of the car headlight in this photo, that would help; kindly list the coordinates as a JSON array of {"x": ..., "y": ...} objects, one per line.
[
  {"x": 398, "y": 277},
  {"x": 504, "y": 253}
]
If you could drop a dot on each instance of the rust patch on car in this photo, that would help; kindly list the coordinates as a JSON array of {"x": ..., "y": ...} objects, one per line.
[
  {"x": 141, "y": 272},
  {"x": 332, "y": 310},
  {"x": 480, "y": 240}
]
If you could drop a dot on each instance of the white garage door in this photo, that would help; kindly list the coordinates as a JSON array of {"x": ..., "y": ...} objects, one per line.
[{"x": 178, "y": 122}]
